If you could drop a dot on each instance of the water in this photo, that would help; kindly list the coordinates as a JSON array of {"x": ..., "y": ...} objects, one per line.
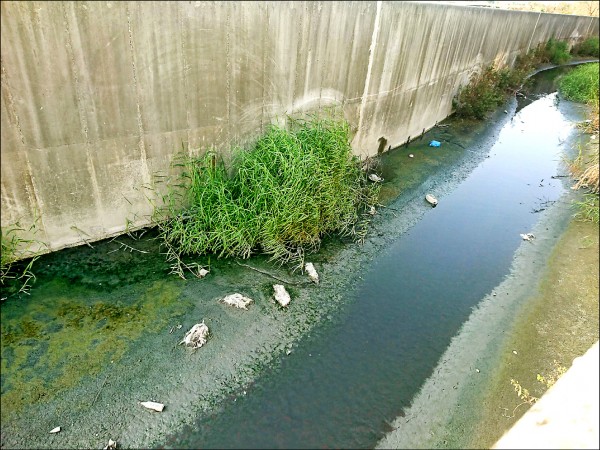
[{"x": 346, "y": 383}]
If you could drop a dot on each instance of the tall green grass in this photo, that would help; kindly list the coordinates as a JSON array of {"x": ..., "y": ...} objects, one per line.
[
  {"x": 16, "y": 261},
  {"x": 580, "y": 84},
  {"x": 589, "y": 47},
  {"x": 278, "y": 197}
]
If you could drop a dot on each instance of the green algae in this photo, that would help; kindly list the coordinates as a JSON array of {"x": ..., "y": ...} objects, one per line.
[{"x": 51, "y": 344}]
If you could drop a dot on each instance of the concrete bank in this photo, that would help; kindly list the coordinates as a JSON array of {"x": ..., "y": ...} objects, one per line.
[{"x": 98, "y": 96}]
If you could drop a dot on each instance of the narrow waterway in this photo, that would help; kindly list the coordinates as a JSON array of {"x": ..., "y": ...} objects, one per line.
[
  {"x": 346, "y": 383},
  {"x": 99, "y": 331}
]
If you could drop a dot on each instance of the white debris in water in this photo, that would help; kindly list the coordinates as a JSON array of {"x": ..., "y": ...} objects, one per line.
[
  {"x": 372, "y": 210},
  {"x": 515, "y": 352},
  {"x": 196, "y": 336},
  {"x": 202, "y": 273},
  {"x": 373, "y": 177},
  {"x": 111, "y": 445},
  {"x": 237, "y": 300},
  {"x": 153, "y": 406},
  {"x": 281, "y": 295},
  {"x": 528, "y": 237},
  {"x": 312, "y": 273},
  {"x": 55, "y": 430},
  {"x": 411, "y": 156}
]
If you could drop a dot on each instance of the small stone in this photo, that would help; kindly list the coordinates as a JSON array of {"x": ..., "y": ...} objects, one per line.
[
  {"x": 281, "y": 295},
  {"x": 312, "y": 272},
  {"x": 237, "y": 300}
]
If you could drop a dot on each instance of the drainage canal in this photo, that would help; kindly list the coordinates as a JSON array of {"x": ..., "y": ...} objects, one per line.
[
  {"x": 99, "y": 331},
  {"x": 345, "y": 384}
]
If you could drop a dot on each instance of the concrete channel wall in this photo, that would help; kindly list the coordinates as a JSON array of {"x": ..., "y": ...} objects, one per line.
[{"x": 98, "y": 96}]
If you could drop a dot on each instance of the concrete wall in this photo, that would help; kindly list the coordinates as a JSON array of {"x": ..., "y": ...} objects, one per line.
[{"x": 98, "y": 96}]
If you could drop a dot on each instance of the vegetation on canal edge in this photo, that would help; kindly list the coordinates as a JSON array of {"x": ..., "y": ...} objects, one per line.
[
  {"x": 589, "y": 47},
  {"x": 490, "y": 87},
  {"x": 582, "y": 85},
  {"x": 278, "y": 197}
]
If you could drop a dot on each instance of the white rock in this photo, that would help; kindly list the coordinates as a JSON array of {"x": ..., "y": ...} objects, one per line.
[
  {"x": 312, "y": 273},
  {"x": 55, "y": 430},
  {"x": 196, "y": 336},
  {"x": 237, "y": 300},
  {"x": 373, "y": 177},
  {"x": 111, "y": 445},
  {"x": 281, "y": 295},
  {"x": 152, "y": 405}
]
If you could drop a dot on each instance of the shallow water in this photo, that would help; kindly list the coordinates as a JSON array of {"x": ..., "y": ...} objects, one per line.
[{"x": 346, "y": 383}]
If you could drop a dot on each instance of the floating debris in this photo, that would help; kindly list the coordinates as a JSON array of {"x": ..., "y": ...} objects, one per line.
[
  {"x": 435, "y": 144},
  {"x": 411, "y": 156},
  {"x": 528, "y": 237},
  {"x": 372, "y": 210},
  {"x": 431, "y": 199},
  {"x": 376, "y": 179},
  {"x": 153, "y": 406},
  {"x": 237, "y": 300},
  {"x": 196, "y": 336},
  {"x": 111, "y": 445},
  {"x": 515, "y": 352},
  {"x": 281, "y": 295},
  {"x": 312, "y": 273},
  {"x": 55, "y": 430},
  {"x": 477, "y": 370},
  {"x": 202, "y": 273}
]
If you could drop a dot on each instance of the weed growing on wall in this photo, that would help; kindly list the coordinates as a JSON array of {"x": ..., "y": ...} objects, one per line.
[
  {"x": 279, "y": 197},
  {"x": 16, "y": 275}
]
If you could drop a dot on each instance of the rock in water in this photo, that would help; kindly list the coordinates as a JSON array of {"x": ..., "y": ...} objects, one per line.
[
  {"x": 281, "y": 295},
  {"x": 237, "y": 300},
  {"x": 312, "y": 273},
  {"x": 196, "y": 336}
]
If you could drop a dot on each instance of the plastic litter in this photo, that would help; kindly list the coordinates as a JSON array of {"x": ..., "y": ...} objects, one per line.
[
  {"x": 435, "y": 144},
  {"x": 153, "y": 406},
  {"x": 55, "y": 430},
  {"x": 374, "y": 178},
  {"x": 528, "y": 237}
]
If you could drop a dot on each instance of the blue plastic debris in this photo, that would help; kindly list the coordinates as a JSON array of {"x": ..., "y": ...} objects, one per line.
[{"x": 435, "y": 144}]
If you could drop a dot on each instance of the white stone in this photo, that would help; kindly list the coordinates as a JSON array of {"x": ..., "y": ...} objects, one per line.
[
  {"x": 237, "y": 300},
  {"x": 196, "y": 336},
  {"x": 312, "y": 273},
  {"x": 281, "y": 295}
]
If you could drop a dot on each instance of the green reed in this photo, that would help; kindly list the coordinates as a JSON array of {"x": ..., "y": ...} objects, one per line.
[{"x": 280, "y": 197}]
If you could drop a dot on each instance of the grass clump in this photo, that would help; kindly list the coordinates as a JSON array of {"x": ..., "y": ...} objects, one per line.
[
  {"x": 556, "y": 52},
  {"x": 588, "y": 47},
  {"x": 581, "y": 84},
  {"x": 16, "y": 262},
  {"x": 279, "y": 197}
]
